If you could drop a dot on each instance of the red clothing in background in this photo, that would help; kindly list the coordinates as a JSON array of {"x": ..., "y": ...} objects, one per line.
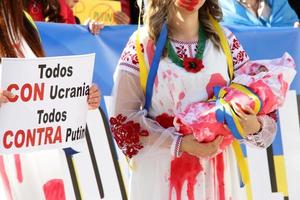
[
  {"x": 125, "y": 6},
  {"x": 35, "y": 10},
  {"x": 131, "y": 9},
  {"x": 66, "y": 12}
]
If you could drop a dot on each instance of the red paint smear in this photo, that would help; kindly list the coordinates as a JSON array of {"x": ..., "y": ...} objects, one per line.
[
  {"x": 5, "y": 178},
  {"x": 178, "y": 105},
  {"x": 150, "y": 51},
  {"x": 184, "y": 168},
  {"x": 165, "y": 120},
  {"x": 215, "y": 80},
  {"x": 156, "y": 83},
  {"x": 284, "y": 85},
  {"x": 164, "y": 75},
  {"x": 266, "y": 95},
  {"x": 188, "y": 4},
  {"x": 54, "y": 190},
  {"x": 181, "y": 95},
  {"x": 220, "y": 176},
  {"x": 18, "y": 168}
]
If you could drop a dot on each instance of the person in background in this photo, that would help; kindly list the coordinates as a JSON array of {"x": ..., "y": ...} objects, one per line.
[
  {"x": 58, "y": 11},
  {"x": 295, "y": 4},
  {"x": 44, "y": 10},
  {"x": 129, "y": 13},
  {"x": 67, "y": 13},
  {"x": 268, "y": 13},
  {"x": 20, "y": 39}
]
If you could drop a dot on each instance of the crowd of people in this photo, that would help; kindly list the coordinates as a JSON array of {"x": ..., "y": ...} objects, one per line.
[
  {"x": 183, "y": 48},
  {"x": 268, "y": 13}
]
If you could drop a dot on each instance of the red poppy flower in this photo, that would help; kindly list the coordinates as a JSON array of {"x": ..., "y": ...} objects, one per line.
[{"x": 193, "y": 65}]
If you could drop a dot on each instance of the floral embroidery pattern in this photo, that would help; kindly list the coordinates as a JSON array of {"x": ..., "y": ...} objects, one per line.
[
  {"x": 129, "y": 59},
  {"x": 239, "y": 58},
  {"x": 181, "y": 51},
  {"x": 129, "y": 56},
  {"x": 127, "y": 135},
  {"x": 235, "y": 44},
  {"x": 239, "y": 55}
]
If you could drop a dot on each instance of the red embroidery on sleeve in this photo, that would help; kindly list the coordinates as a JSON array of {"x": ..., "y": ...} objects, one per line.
[
  {"x": 129, "y": 57},
  {"x": 235, "y": 44},
  {"x": 127, "y": 135}
]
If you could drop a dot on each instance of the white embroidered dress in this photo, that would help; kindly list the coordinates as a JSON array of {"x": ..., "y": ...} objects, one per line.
[{"x": 174, "y": 88}]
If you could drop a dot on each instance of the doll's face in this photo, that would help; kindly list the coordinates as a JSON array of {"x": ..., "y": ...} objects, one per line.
[{"x": 190, "y": 5}]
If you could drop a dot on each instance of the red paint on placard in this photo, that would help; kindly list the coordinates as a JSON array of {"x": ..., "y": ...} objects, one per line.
[
  {"x": 54, "y": 190},
  {"x": 5, "y": 179},
  {"x": 18, "y": 168}
]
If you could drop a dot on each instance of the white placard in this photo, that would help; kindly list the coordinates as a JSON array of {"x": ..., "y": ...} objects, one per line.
[{"x": 50, "y": 104}]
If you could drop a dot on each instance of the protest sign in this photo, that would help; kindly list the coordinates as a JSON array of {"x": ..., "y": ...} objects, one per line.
[
  {"x": 50, "y": 104},
  {"x": 99, "y": 10}
]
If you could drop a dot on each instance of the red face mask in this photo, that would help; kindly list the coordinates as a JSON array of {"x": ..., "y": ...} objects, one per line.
[{"x": 188, "y": 4}]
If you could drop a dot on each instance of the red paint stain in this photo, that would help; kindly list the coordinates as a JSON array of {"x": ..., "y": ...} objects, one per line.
[
  {"x": 284, "y": 85},
  {"x": 5, "y": 179},
  {"x": 165, "y": 120},
  {"x": 215, "y": 80},
  {"x": 266, "y": 94},
  {"x": 54, "y": 190},
  {"x": 161, "y": 103},
  {"x": 164, "y": 75},
  {"x": 150, "y": 51},
  {"x": 188, "y": 4},
  {"x": 18, "y": 168},
  {"x": 178, "y": 105},
  {"x": 220, "y": 176},
  {"x": 181, "y": 95},
  {"x": 156, "y": 83},
  {"x": 184, "y": 169}
]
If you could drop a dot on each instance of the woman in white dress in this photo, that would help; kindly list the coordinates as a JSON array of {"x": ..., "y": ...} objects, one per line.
[{"x": 166, "y": 165}]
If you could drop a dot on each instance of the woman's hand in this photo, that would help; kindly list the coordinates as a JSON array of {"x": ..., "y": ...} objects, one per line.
[
  {"x": 247, "y": 118},
  {"x": 4, "y": 96},
  {"x": 204, "y": 150},
  {"x": 94, "y": 97},
  {"x": 94, "y": 26}
]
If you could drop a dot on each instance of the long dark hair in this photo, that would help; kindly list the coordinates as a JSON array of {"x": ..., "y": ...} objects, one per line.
[{"x": 14, "y": 25}]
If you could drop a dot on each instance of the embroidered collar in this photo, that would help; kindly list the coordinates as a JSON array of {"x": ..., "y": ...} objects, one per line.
[{"x": 190, "y": 64}]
